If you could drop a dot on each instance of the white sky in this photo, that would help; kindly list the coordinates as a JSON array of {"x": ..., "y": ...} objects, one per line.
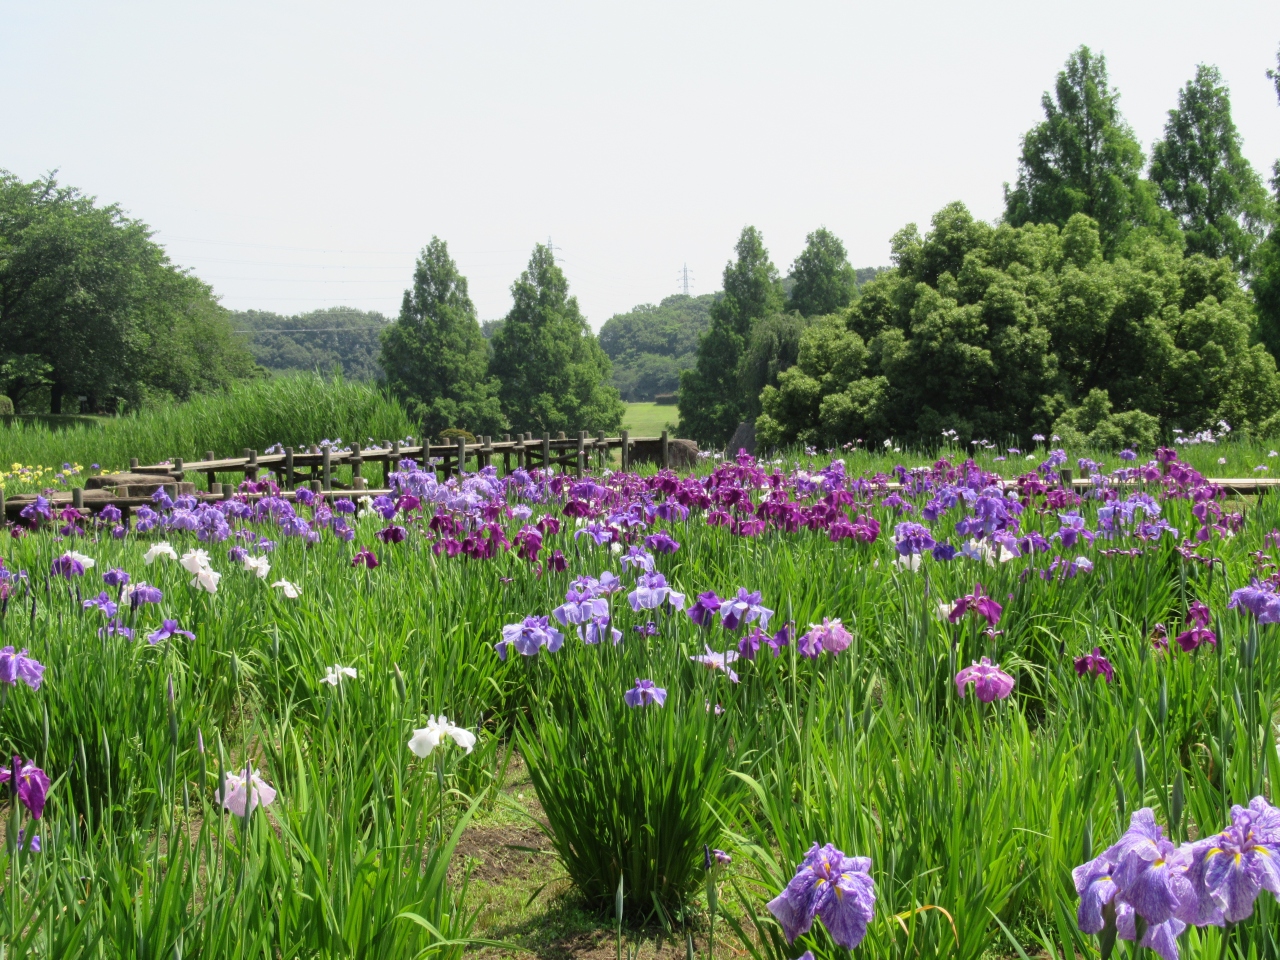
[{"x": 297, "y": 155}]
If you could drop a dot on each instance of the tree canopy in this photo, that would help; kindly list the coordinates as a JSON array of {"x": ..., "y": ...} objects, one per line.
[
  {"x": 650, "y": 345},
  {"x": 999, "y": 331},
  {"x": 1204, "y": 179},
  {"x": 552, "y": 372},
  {"x": 434, "y": 356},
  {"x": 824, "y": 280},
  {"x": 318, "y": 340},
  {"x": 91, "y": 307}
]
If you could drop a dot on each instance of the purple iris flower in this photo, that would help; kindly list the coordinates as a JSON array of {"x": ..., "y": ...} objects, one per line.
[
  {"x": 702, "y": 609},
  {"x": 344, "y": 505},
  {"x": 392, "y": 534},
  {"x": 304, "y": 496},
  {"x": 1259, "y": 598},
  {"x": 1128, "y": 455},
  {"x": 141, "y": 593},
  {"x": 384, "y": 506},
  {"x": 661, "y": 542},
  {"x": 646, "y": 629},
  {"x": 829, "y": 635},
  {"x": 115, "y": 577},
  {"x": 834, "y": 888},
  {"x": 169, "y": 628},
  {"x": 115, "y": 628},
  {"x": 364, "y": 557},
  {"x": 751, "y": 642},
  {"x": 528, "y": 637},
  {"x": 1147, "y": 872},
  {"x": 742, "y": 609},
  {"x": 978, "y": 603},
  {"x": 102, "y": 602},
  {"x": 650, "y": 592},
  {"x": 645, "y": 692},
  {"x": 32, "y": 785},
  {"x": 580, "y": 611},
  {"x": 67, "y": 566},
  {"x": 1095, "y": 663},
  {"x": 912, "y": 538},
  {"x": 598, "y": 629},
  {"x": 944, "y": 552},
  {"x": 39, "y": 509},
  {"x": 15, "y": 666},
  {"x": 990, "y": 683},
  {"x": 1229, "y": 870}
]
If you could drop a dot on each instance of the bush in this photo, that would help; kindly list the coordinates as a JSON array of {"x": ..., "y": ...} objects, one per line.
[
  {"x": 1093, "y": 424},
  {"x": 452, "y": 434},
  {"x": 6, "y": 405},
  {"x": 666, "y": 399}
]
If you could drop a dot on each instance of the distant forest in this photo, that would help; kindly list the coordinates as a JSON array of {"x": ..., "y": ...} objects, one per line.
[{"x": 319, "y": 340}]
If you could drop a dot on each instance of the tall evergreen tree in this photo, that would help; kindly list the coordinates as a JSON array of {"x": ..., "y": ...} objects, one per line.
[
  {"x": 1083, "y": 158},
  {"x": 1204, "y": 179},
  {"x": 1266, "y": 260},
  {"x": 824, "y": 280},
  {"x": 712, "y": 401},
  {"x": 434, "y": 356},
  {"x": 553, "y": 374}
]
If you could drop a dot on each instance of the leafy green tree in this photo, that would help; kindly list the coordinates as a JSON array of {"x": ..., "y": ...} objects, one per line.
[
  {"x": 554, "y": 375},
  {"x": 1082, "y": 158},
  {"x": 1001, "y": 331},
  {"x": 1203, "y": 177},
  {"x": 1266, "y": 260},
  {"x": 712, "y": 401},
  {"x": 774, "y": 346},
  {"x": 84, "y": 288},
  {"x": 434, "y": 356},
  {"x": 650, "y": 345},
  {"x": 824, "y": 280},
  {"x": 315, "y": 341}
]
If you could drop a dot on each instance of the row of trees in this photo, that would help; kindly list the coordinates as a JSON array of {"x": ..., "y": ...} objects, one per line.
[
  {"x": 91, "y": 307},
  {"x": 341, "y": 338},
  {"x": 543, "y": 369},
  {"x": 1107, "y": 302}
]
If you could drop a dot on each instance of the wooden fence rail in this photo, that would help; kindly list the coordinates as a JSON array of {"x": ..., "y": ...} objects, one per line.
[{"x": 314, "y": 467}]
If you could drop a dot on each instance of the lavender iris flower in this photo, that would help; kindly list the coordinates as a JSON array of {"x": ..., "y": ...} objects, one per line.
[
  {"x": 169, "y": 628},
  {"x": 990, "y": 683},
  {"x": 102, "y": 602},
  {"x": 115, "y": 628},
  {"x": 1260, "y": 599},
  {"x": 829, "y": 635},
  {"x": 742, "y": 609},
  {"x": 528, "y": 637},
  {"x": 141, "y": 593},
  {"x": 661, "y": 542},
  {"x": 1148, "y": 873},
  {"x": 645, "y": 692},
  {"x": 638, "y": 558},
  {"x": 1229, "y": 870},
  {"x": 912, "y": 538},
  {"x": 650, "y": 592},
  {"x": 580, "y": 611},
  {"x": 718, "y": 661},
  {"x": 15, "y": 666},
  {"x": 598, "y": 629},
  {"x": 67, "y": 566},
  {"x": 834, "y": 888}
]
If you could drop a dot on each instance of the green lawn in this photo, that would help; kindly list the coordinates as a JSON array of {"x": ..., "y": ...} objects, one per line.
[{"x": 649, "y": 419}]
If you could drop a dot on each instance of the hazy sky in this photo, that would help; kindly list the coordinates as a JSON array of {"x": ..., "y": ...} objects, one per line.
[{"x": 297, "y": 155}]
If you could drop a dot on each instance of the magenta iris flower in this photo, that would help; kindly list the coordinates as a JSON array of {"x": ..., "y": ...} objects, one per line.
[
  {"x": 990, "y": 683},
  {"x": 1230, "y": 869},
  {"x": 169, "y": 628},
  {"x": 661, "y": 542},
  {"x": 15, "y": 666},
  {"x": 829, "y": 635},
  {"x": 1095, "y": 663},
  {"x": 644, "y": 693},
  {"x": 528, "y": 637},
  {"x": 32, "y": 785},
  {"x": 751, "y": 642},
  {"x": 392, "y": 534},
  {"x": 833, "y": 888},
  {"x": 977, "y": 603}
]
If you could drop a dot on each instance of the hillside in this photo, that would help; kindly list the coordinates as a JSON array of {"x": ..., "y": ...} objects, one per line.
[{"x": 319, "y": 340}]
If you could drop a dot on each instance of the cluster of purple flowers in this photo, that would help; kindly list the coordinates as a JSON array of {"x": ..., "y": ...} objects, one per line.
[{"x": 1210, "y": 882}]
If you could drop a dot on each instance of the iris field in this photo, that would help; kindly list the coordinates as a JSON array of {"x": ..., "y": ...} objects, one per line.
[{"x": 775, "y": 702}]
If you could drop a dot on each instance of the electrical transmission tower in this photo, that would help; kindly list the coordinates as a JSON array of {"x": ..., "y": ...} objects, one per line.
[{"x": 684, "y": 279}]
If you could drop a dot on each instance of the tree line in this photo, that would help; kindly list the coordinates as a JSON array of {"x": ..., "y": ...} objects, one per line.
[{"x": 1117, "y": 298}]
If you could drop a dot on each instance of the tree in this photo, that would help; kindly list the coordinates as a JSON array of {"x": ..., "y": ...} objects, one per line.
[
  {"x": 1204, "y": 179},
  {"x": 650, "y": 345},
  {"x": 434, "y": 356},
  {"x": 84, "y": 289},
  {"x": 1266, "y": 261},
  {"x": 1002, "y": 331},
  {"x": 712, "y": 402},
  {"x": 824, "y": 280},
  {"x": 552, "y": 372},
  {"x": 1083, "y": 158},
  {"x": 318, "y": 340}
]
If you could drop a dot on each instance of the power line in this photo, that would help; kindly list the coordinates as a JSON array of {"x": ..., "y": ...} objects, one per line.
[{"x": 371, "y": 328}]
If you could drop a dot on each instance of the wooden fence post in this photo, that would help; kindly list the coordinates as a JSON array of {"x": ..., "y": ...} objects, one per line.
[
  {"x": 357, "y": 461},
  {"x": 4, "y": 517},
  {"x": 77, "y": 497},
  {"x": 210, "y": 475},
  {"x": 666, "y": 451},
  {"x": 546, "y": 452},
  {"x": 133, "y": 464},
  {"x": 1065, "y": 474},
  {"x": 506, "y": 455},
  {"x": 486, "y": 452},
  {"x": 177, "y": 468},
  {"x": 251, "y": 471},
  {"x": 288, "y": 468},
  {"x": 392, "y": 459},
  {"x": 462, "y": 455},
  {"x": 602, "y": 449},
  {"x": 326, "y": 475},
  {"x": 520, "y": 453},
  {"x": 582, "y": 453},
  {"x": 626, "y": 450}
]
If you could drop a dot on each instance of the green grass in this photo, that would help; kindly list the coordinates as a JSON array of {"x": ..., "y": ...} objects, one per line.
[
  {"x": 294, "y": 411},
  {"x": 650, "y": 419}
]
